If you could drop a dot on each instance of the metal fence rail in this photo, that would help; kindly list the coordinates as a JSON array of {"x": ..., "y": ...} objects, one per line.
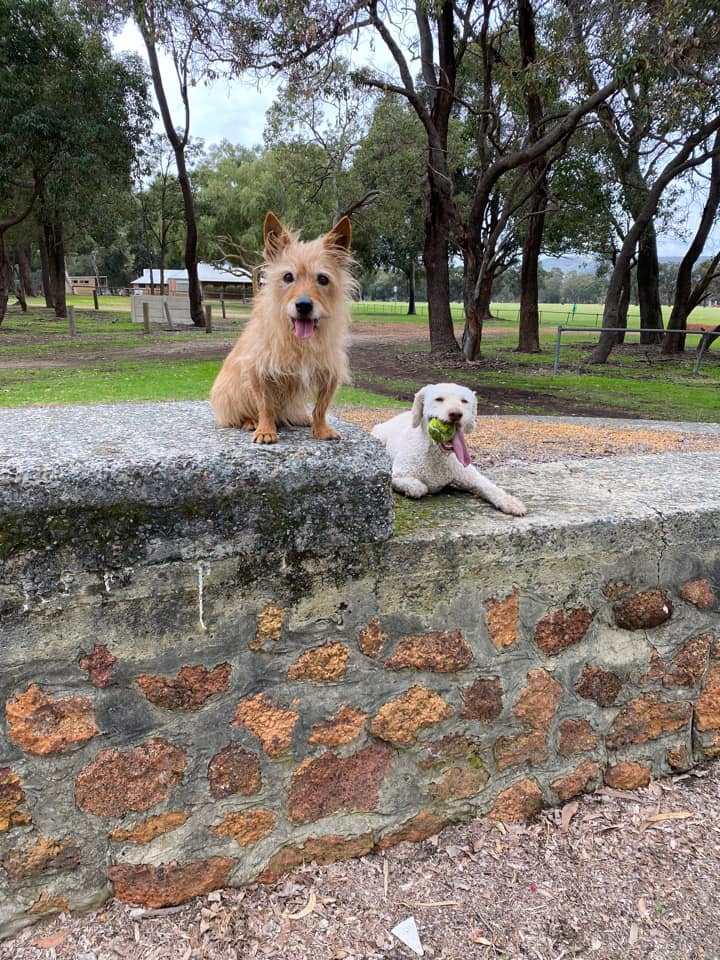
[{"x": 706, "y": 337}]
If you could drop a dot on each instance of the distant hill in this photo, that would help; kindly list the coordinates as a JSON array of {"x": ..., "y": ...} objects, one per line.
[{"x": 577, "y": 263}]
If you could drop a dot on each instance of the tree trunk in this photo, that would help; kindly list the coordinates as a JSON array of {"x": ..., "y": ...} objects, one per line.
[
  {"x": 22, "y": 258},
  {"x": 478, "y": 296},
  {"x": 436, "y": 258},
  {"x": 411, "y": 290},
  {"x": 15, "y": 282},
  {"x": 147, "y": 28},
  {"x": 55, "y": 249},
  {"x": 529, "y": 318},
  {"x": 624, "y": 303},
  {"x": 684, "y": 159},
  {"x": 45, "y": 270},
  {"x": 4, "y": 278},
  {"x": 529, "y": 327},
  {"x": 648, "y": 281}
]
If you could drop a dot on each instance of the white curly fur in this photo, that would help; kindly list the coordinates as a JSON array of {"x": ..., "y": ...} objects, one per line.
[{"x": 420, "y": 465}]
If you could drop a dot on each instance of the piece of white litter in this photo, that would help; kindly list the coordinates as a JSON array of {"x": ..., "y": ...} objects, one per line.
[{"x": 407, "y": 933}]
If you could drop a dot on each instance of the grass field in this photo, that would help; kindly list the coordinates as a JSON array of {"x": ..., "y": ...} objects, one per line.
[{"x": 111, "y": 359}]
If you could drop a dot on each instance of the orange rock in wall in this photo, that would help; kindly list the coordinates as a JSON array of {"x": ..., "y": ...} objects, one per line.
[
  {"x": 646, "y": 718},
  {"x": 443, "y": 651},
  {"x": 342, "y": 728},
  {"x": 169, "y": 883},
  {"x": 327, "y": 662},
  {"x": 234, "y": 770},
  {"x": 328, "y": 783},
  {"x": 562, "y": 628},
  {"x": 503, "y": 619},
  {"x": 272, "y": 725},
  {"x": 521, "y": 801},
  {"x": 188, "y": 690},
  {"x": 12, "y": 796},
  {"x": 116, "y": 783},
  {"x": 41, "y": 724},
  {"x": 400, "y": 720}
]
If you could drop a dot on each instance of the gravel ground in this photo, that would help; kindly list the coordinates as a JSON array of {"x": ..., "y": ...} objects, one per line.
[{"x": 611, "y": 876}]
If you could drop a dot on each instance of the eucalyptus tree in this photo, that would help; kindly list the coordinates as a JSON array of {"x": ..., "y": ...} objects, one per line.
[
  {"x": 321, "y": 116},
  {"x": 666, "y": 100},
  {"x": 70, "y": 116},
  {"x": 688, "y": 294},
  {"x": 388, "y": 234}
]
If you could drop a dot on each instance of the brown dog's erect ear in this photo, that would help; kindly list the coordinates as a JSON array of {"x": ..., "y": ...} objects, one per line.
[
  {"x": 276, "y": 236},
  {"x": 417, "y": 407},
  {"x": 340, "y": 235}
]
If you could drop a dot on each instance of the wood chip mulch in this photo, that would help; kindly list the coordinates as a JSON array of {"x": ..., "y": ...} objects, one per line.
[{"x": 515, "y": 440}]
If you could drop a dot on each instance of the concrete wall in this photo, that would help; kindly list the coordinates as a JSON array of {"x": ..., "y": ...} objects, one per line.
[{"x": 219, "y": 660}]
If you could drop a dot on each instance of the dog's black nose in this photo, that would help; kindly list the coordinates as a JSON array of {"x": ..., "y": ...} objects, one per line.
[
  {"x": 454, "y": 416},
  {"x": 303, "y": 306}
]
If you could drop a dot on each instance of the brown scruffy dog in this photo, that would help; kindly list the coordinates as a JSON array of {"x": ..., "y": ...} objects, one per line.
[{"x": 294, "y": 343}]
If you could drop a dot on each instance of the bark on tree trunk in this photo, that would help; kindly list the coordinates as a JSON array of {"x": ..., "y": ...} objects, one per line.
[
  {"x": 4, "y": 278},
  {"x": 648, "y": 281},
  {"x": 45, "y": 270},
  {"x": 437, "y": 270},
  {"x": 411, "y": 291},
  {"x": 624, "y": 303},
  {"x": 55, "y": 249},
  {"x": 22, "y": 258},
  {"x": 478, "y": 296},
  {"x": 529, "y": 318},
  {"x": 529, "y": 326}
]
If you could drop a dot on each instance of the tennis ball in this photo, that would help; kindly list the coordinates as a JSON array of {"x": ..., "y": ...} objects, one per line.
[{"x": 441, "y": 432}]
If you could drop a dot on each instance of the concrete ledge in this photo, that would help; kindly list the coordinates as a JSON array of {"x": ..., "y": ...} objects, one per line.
[
  {"x": 115, "y": 484},
  {"x": 186, "y": 705}
]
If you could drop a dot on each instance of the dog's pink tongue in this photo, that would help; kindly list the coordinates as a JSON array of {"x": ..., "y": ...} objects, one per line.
[
  {"x": 304, "y": 329},
  {"x": 460, "y": 449}
]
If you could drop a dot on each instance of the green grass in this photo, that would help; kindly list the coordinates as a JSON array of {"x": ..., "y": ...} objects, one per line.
[{"x": 102, "y": 364}]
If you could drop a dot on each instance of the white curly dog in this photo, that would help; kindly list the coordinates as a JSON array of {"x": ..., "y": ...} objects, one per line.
[{"x": 420, "y": 465}]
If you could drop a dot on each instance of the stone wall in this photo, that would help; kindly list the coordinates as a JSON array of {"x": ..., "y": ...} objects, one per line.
[{"x": 219, "y": 661}]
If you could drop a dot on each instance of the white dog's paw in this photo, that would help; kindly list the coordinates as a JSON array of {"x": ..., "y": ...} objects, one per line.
[
  {"x": 410, "y": 486},
  {"x": 513, "y": 506}
]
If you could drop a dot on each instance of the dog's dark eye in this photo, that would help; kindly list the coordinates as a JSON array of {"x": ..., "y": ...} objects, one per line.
[
  {"x": 323, "y": 279},
  {"x": 439, "y": 399},
  {"x": 288, "y": 277},
  {"x": 463, "y": 400}
]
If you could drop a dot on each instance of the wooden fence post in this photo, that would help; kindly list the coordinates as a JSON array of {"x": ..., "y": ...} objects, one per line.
[
  {"x": 166, "y": 307},
  {"x": 71, "y": 320},
  {"x": 146, "y": 316},
  {"x": 222, "y": 305},
  {"x": 95, "y": 298},
  {"x": 208, "y": 318}
]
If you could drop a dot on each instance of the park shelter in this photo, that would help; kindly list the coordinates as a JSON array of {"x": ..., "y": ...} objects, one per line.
[{"x": 216, "y": 283}]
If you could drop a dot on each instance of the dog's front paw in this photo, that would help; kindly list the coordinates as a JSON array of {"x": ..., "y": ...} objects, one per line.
[
  {"x": 265, "y": 436},
  {"x": 513, "y": 506},
  {"x": 410, "y": 487},
  {"x": 325, "y": 433}
]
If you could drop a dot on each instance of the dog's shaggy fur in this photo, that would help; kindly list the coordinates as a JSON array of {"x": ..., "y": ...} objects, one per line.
[
  {"x": 294, "y": 343},
  {"x": 420, "y": 465}
]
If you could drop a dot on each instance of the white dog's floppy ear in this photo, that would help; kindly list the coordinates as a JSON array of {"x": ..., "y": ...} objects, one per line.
[{"x": 417, "y": 407}]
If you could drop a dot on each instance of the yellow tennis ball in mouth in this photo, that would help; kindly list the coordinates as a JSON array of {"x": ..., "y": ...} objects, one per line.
[{"x": 439, "y": 431}]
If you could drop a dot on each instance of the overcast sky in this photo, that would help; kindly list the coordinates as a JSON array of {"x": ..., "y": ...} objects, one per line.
[
  {"x": 236, "y": 112},
  {"x": 218, "y": 112}
]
